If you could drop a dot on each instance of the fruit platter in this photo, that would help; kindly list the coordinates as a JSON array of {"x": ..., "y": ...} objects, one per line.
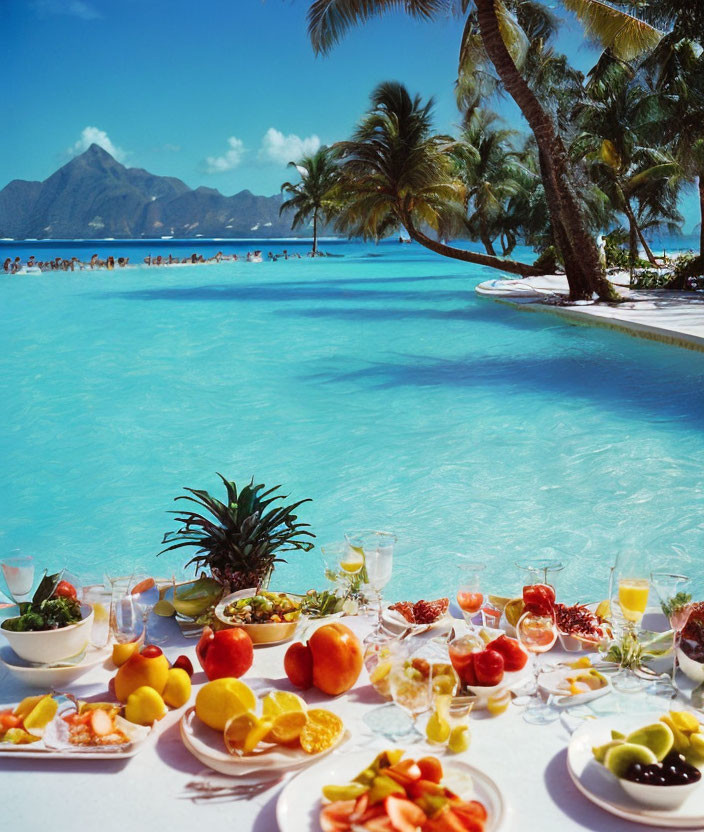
[{"x": 394, "y": 791}]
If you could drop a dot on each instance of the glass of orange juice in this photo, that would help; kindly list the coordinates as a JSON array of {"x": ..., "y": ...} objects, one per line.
[
  {"x": 469, "y": 591},
  {"x": 629, "y": 591}
]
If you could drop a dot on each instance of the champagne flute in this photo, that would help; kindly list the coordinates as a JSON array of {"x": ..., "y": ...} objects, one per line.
[
  {"x": 378, "y": 548},
  {"x": 469, "y": 595},
  {"x": 629, "y": 589},
  {"x": 537, "y": 634},
  {"x": 145, "y": 593},
  {"x": 676, "y": 604}
]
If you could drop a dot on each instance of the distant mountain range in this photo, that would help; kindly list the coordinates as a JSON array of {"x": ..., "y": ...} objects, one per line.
[{"x": 94, "y": 196}]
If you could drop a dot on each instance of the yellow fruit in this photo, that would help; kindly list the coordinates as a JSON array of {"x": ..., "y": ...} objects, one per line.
[
  {"x": 681, "y": 740},
  {"x": 100, "y": 612},
  {"x": 498, "y": 703},
  {"x": 178, "y": 688},
  {"x": 140, "y": 670},
  {"x": 685, "y": 721},
  {"x": 287, "y": 727},
  {"x": 460, "y": 738},
  {"x": 381, "y": 671},
  {"x": 322, "y": 731},
  {"x": 695, "y": 752},
  {"x": 498, "y": 601},
  {"x": 514, "y": 610},
  {"x": 219, "y": 701},
  {"x": 281, "y": 702},
  {"x": 352, "y": 562},
  {"x": 122, "y": 652},
  {"x": 245, "y": 732},
  {"x": 18, "y": 736},
  {"x": 41, "y": 715},
  {"x": 164, "y": 608},
  {"x": 351, "y": 791},
  {"x": 604, "y": 609},
  {"x": 27, "y": 705},
  {"x": 144, "y": 706},
  {"x": 485, "y": 635},
  {"x": 580, "y": 664}
]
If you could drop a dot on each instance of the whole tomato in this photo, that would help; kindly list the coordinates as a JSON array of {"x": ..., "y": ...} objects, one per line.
[
  {"x": 65, "y": 590},
  {"x": 225, "y": 653},
  {"x": 332, "y": 660}
]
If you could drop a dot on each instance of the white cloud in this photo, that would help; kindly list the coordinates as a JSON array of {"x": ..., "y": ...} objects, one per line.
[
  {"x": 281, "y": 150},
  {"x": 93, "y": 135},
  {"x": 72, "y": 8},
  {"x": 229, "y": 160}
]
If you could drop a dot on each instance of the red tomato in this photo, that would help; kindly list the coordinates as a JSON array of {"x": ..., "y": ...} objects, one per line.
[{"x": 65, "y": 590}]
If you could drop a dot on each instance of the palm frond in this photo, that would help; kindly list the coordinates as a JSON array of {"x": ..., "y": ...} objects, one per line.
[{"x": 625, "y": 35}]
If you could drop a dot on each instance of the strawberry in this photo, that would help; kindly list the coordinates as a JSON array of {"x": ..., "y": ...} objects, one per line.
[
  {"x": 404, "y": 815},
  {"x": 489, "y": 667},
  {"x": 515, "y": 657}
]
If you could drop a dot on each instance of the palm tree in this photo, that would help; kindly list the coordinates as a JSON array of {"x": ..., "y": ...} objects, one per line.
[
  {"x": 503, "y": 44},
  {"x": 394, "y": 172},
  {"x": 488, "y": 166},
  {"x": 615, "y": 120},
  {"x": 311, "y": 196}
]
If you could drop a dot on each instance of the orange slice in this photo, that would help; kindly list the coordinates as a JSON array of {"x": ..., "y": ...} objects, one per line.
[
  {"x": 287, "y": 727},
  {"x": 321, "y": 732}
]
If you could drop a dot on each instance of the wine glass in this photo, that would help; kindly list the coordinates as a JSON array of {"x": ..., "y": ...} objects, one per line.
[
  {"x": 100, "y": 600},
  {"x": 126, "y": 618},
  {"x": 331, "y": 555},
  {"x": 469, "y": 595},
  {"x": 537, "y": 634},
  {"x": 145, "y": 594},
  {"x": 411, "y": 690},
  {"x": 378, "y": 549},
  {"x": 676, "y": 604},
  {"x": 18, "y": 575},
  {"x": 629, "y": 589}
]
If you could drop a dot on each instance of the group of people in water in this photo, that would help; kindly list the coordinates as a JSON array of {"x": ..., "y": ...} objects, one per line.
[{"x": 16, "y": 265}]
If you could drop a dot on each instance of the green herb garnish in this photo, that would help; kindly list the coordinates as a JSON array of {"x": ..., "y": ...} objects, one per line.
[
  {"x": 675, "y": 603},
  {"x": 44, "y": 612}
]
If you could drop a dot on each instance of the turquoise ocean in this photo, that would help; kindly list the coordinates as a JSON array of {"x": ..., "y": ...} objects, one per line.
[{"x": 374, "y": 382}]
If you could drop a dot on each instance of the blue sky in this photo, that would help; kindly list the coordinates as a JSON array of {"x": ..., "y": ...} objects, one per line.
[{"x": 216, "y": 92}]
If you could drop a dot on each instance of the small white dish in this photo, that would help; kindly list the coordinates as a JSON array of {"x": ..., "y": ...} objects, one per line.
[
  {"x": 52, "y": 677},
  {"x": 692, "y": 669},
  {"x": 599, "y": 786},
  {"x": 208, "y": 746},
  {"x": 265, "y": 633},
  {"x": 659, "y": 797},
  {"x": 513, "y": 679},
  {"x": 299, "y": 804},
  {"x": 49, "y": 646},
  {"x": 395, "y": 620},
  {"x": 552, "y": 682}
]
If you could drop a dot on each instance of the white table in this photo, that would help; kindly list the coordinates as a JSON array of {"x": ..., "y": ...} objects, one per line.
[{"x": 147, "y": 791}]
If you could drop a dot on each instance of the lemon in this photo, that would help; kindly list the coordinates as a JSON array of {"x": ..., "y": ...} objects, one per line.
[
  {"x": 41, "y": 715},
  {"x": 178, "y": 688},
  {"x": 281, "y": 702},
  {"x": 381, "y": 671},
  {"x": 352, "y": 562},
  {"x": 219, "y": 701},
  {"x": 498, "y": 703},
  {"x": 164, "y": 608},
  {"x": 246, "y": 731},
  {"x": 287, "y": 727},
  {"x": 460, "y": 738},
  {"x": 144, "y": 706}
]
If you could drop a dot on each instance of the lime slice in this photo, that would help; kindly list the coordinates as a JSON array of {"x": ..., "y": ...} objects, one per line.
[
  {"x": 164, "y": 608},
  {"x": 622, "y": 756},
  {"x": 657, "y": 737}
]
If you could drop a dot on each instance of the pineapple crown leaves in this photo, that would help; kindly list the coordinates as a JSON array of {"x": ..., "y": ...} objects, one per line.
[{"x": 246, "y": 533}]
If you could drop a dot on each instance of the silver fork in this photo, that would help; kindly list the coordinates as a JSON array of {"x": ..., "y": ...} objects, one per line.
[{"x": 199, "y": 791}]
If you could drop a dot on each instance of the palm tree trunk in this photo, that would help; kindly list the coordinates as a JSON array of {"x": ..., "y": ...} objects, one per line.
[
  {"x": 635, "y": 228},
  {"x": 315, "y": 232},
  {"x": 584, "y": 272},
  {"x": 485, "y": 238},
  {"x": 511, "y": 266}
]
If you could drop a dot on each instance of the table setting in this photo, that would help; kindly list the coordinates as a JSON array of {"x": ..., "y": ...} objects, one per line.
[{"x": 333, "y": 709}]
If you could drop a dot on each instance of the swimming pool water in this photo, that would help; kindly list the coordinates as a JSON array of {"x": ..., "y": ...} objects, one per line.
[{"x": 380, "y": 386}]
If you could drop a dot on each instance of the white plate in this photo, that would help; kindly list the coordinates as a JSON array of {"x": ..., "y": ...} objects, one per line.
[
  {"x": 299, "y": 803},
  {"x": 208, "y": 746},
  {"x": 601, "y": 787},
  {"x": 550, "y": 682},
  {"x": 52, "y": 677},
  {"x": 396, "y": 620}
]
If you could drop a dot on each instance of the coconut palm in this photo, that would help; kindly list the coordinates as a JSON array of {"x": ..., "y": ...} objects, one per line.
[
  {"x": 488, "y": 166},
  {"x": 640, "y": 179},
  {"x": 503, "y": 44},
  {"x": 310, "y": 196},
  {"x": 394, "y": 172}
]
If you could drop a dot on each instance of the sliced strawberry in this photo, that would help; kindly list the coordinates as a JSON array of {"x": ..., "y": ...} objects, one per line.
[
  {"x": 404, "y": 772},
  {"x": 446, "y": 821},
  {"x": 430, "y": 769},
  {"x": 360, "y": 807},
  {"x": 404, "y": 815},
  {"x": 472, "y": 810},
  {"x": 335, "y": 817},
  {"x": 379, "y": 824},
  {"x": 372, "y": 812},
  {"x": 419, "y": 788}
]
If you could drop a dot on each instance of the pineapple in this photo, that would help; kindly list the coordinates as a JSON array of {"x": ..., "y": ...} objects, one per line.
[{"x": 240, "y": 541}]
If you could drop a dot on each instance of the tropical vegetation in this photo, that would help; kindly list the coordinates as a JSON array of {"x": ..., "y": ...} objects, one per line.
[
  {"x": 615, "y": 147},
  {"x": 241, "y": 540}
]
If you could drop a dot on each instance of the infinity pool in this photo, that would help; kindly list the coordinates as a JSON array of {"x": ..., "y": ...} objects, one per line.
[{"x": 379, "y": 386}]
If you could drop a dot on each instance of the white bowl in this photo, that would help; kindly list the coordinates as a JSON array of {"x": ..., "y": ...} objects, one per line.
[
  {"x": 692, "y": 669},
  {"x": 658, "y": 797},
  {"x": 269, "y": 632},
  {"x": 48, "y": 646}
]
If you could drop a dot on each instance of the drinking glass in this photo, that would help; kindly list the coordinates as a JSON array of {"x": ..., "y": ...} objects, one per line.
[
  {"x": 18, "y": 576},
  {"x": 100, "y": 599},
  {"x": 668, "y": 587},
  {"x": 410, "y": 690},
  {"x": 469, "y": 595},
  {"x": 541, "y": 568},
  {"x": 629, "y": 588},
  {"x": 126, "y": 622},
  {"x": 331, "y": 555},
  {"x": 537, "y": 634}
]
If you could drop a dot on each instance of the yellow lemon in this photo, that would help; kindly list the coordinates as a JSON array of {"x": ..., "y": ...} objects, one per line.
[
  {"x": 352, "y": 562},
  {"x": 122, "y": 652},
  {"x": 321, "y": 732},
  {"x": 144, "y": 706},
  {"x": 178, "y": 688},
  {"x": 281, "y": 702},
  {"x": 604, "y": 609},
  {"x": 28, "y": 704},
  {"x": 287, "y": 727},
  {"x": 498, "y": 703},
  {"x": 460, "y": 738},
  {"x": 219, "y": 701},
  {"x": 41, "y": 715},
  {"x": 245, "y": 732}
]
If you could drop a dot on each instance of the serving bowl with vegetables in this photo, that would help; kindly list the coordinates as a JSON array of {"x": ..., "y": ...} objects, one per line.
[{"x": 267, "y": 617}]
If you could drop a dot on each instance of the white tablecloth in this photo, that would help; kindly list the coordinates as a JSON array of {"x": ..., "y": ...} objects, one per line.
[{"x": 147, "y": 791}]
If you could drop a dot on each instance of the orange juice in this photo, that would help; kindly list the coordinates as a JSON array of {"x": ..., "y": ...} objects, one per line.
[
  {"x": 633, "y": 598},
  {"x": 469, "y": 601}
]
